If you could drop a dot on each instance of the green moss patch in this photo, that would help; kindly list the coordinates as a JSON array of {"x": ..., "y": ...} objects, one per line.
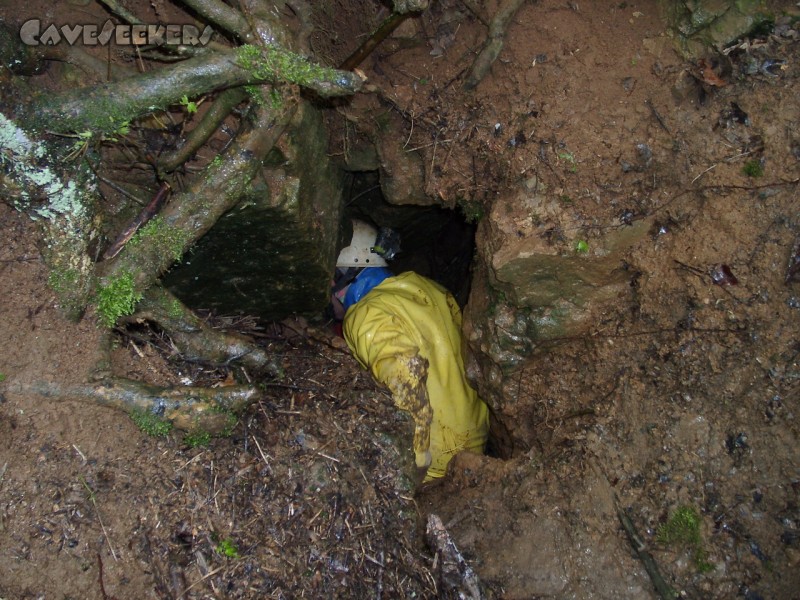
[
  {"x": 276, "y": 64},
  {"x": 117, "y": 298},
  {"x": 682, "y": 530},
  {"x": 150, "y": 423},
  {"x": 157, "y": 233}
]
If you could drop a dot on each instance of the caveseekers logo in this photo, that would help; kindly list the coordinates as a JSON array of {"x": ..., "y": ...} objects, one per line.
[{"x": 33, "y": 33}]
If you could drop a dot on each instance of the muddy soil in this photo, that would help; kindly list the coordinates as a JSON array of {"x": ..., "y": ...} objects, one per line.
[{"x": 681, "y": 397}]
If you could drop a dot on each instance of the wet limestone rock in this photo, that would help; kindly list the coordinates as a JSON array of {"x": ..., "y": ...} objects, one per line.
[
  {"x": 402, "y": 173},
  {"x": 401, "y": 169},
  {"x": 703, "y": 24},
  {"x": 539, "y": 277},
  {"x": 274, "y": 253}
]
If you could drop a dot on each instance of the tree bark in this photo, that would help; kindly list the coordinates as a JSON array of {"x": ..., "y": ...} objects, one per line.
[
  {"x": 491, "y": 50},
  {"x": 63, "y": 201},
  {"x": 407, "y": 6},
  {"x": 109, "y": 106},
  {"x": 192, "y": 213},
  {"x": 196, "y": 341},
  {"x": 222, "y": 107},
  {"x": 186, "y": 408},
  {"x": 222, "y": 15}
]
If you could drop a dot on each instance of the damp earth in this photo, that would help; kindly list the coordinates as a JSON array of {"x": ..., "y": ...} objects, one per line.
[{"x": 662, "y": 439}]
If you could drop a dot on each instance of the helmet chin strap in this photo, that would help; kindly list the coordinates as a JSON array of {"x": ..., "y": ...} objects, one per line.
[{"x": 345, "y": 277}]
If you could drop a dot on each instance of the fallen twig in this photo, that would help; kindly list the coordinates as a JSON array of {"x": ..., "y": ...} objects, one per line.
[
  {"x": 147, "y": 213},
  {"x": 662, "y": 588}
]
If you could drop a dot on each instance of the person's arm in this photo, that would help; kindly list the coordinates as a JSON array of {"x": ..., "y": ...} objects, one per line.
[
  {"x": 405, "y": 376},
  {"x": 382, "y": 343}
]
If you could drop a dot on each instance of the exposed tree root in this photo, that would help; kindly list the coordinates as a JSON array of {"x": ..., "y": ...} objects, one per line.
[
  {"x": 222, "y": 15},
  {"x": 196, "y": 340},
  {"x": 108, "y": 106},
  {"x": 406, "y": 6},
  {"x": 67, "y": 196},
  {"x": 192, "y": 213},
  {"x": 389, "y": 24},
  {"x": 494, "y": 43},
  {"x": 665, "y": 592},
  {"x": 186, "y": 408},
  {"x": 222, "y": 107}
]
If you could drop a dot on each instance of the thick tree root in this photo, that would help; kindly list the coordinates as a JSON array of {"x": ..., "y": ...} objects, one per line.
[
  {"x": 494, "y": 43},
  {"x": 222, "y": 15},
  {"x": 107, "y": 107},
  {"x": 186, "y": 408},
  {"x": 196, "y": 341},
  {"x": 222, "y": 107},
  {"x": 192, "y": 213}
]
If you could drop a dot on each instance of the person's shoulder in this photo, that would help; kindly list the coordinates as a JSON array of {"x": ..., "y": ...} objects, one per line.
[
  {"x": 415, "y": 279},
  {"x": 412, "y": 277}
]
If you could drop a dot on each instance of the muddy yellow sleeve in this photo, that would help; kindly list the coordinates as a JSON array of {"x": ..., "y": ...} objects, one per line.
[
  {"x": 381, "y": 344},
  {"x": 406, "y": 331}
]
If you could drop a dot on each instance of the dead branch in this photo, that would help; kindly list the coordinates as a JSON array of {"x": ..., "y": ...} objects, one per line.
[
  {"x": 147, "y": 213},
  {"x": 196, "y": 341},
  {"x": 302, "y": 8}
]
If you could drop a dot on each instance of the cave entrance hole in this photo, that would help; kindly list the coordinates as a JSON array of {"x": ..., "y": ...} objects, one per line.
[{"x": 435, "y": 241}]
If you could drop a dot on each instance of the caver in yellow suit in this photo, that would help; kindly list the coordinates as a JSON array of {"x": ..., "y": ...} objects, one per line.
[{"x": 406, "y": 330}]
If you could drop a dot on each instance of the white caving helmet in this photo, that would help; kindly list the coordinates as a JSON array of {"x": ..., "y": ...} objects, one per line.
[{"x": 360, "y": 252}]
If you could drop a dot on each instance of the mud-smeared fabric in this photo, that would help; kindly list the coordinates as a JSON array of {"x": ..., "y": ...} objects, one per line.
[{"x": 407, "y": 332}]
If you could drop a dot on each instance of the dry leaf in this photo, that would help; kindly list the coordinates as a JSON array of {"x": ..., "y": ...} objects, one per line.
[{"x": 708, "y": 75}]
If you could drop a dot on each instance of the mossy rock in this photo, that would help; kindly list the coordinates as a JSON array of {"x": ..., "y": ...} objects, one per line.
[{"x": 700, "y": 25}]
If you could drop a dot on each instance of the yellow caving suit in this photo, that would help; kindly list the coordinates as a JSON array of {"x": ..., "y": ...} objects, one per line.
[{"x": 407, "y": 331}]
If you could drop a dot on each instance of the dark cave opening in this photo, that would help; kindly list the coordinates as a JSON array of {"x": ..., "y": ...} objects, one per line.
[{"x": 436, "y": 242}]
